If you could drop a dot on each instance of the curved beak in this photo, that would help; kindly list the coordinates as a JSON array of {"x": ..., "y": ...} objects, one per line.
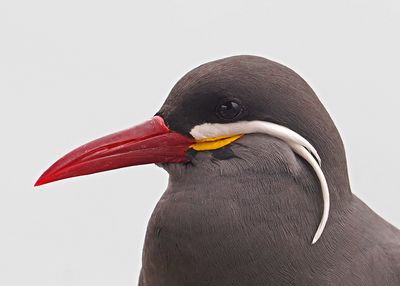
[{"x": 149, "y": 142}]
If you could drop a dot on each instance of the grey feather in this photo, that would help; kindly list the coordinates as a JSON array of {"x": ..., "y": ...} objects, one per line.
[{"x": 246, "y": 216}]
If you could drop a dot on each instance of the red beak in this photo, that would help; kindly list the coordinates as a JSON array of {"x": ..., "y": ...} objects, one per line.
[{"x": 149, "y": 142}]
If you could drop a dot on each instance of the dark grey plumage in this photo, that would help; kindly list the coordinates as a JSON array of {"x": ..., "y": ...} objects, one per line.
[{"x": 245, "y": 214}]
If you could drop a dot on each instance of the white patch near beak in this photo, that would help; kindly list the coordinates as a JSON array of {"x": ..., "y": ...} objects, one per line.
[{"x": 297, "y": 142}]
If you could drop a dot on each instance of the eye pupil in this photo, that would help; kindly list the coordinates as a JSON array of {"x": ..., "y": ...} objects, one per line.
[{"x": 229, "y": 109}]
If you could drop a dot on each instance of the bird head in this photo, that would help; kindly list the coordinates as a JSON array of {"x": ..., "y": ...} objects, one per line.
[{"x": 212, "y": 107}]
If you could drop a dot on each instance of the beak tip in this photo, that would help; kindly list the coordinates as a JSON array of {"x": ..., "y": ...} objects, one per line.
[
  {"x": 38, "y": 183},
  {"x": 41, "y": 181}
]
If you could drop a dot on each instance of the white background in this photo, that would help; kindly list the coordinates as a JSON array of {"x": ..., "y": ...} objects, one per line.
[{"x": 71, "y": 71}]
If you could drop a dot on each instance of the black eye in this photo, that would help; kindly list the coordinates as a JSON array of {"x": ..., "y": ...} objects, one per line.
[{"x": 229, "y": 109}]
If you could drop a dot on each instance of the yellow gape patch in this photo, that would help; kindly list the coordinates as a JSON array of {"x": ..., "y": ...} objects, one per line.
[{"x": 213, "y": 143}]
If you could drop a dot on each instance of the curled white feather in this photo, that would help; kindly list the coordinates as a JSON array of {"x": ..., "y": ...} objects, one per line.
[
  {"x": 298, "y": 143},
  {"x": 301, "y": 151},
  {"x": 207, "y": 130}
]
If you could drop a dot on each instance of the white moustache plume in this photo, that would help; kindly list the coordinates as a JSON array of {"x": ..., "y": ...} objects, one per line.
[{"x": 297, "y": 142}]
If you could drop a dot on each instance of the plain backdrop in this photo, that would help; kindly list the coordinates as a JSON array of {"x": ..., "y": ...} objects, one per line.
[{"x": 71, "y": 71}]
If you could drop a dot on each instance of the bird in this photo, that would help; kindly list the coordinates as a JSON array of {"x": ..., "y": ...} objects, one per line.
[{"x": 258, "y": 190}]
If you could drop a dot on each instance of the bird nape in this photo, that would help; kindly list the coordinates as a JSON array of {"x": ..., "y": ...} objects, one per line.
[{"x": 256, "y": 165}]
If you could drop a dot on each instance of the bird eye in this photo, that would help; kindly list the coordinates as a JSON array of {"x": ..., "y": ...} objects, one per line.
[{"x": 229, "y": 109}]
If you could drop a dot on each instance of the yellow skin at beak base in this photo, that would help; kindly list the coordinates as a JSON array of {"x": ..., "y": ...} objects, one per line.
[{"x": 214, "y": 143}]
